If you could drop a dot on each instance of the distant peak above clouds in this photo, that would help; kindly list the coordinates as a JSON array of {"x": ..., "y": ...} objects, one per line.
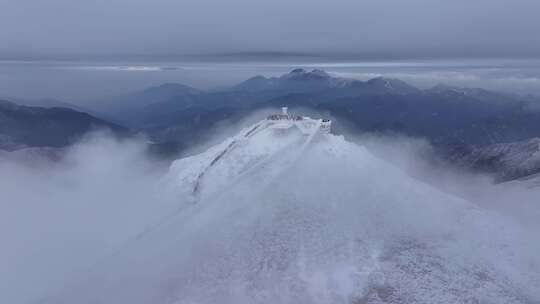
[
  {"x": 304, "y": 80},
  {"x": 302, "y": 74}
]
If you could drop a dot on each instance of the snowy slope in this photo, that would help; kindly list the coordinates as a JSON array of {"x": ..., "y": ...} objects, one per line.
[
  {"x": 280, "y": 218},
  {"x": 507, "y": 161}
]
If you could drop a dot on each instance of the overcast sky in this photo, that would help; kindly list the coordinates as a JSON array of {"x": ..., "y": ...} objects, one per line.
[{"x": 433, "y": 28}]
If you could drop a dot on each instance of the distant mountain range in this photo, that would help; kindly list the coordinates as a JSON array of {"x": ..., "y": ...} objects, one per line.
[
  {"x": 506, "y": 161},
  {"x": 466, "y": 122},
  {"x": 442, "y": 114},
  {"x": 24, "y": 126}
]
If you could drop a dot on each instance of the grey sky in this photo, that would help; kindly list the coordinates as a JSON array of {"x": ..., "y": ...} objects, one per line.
[{"x": 435, "y": 28}]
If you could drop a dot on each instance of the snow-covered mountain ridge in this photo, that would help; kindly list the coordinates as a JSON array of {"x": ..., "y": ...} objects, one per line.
[
  {"x": 508, "y": 161},
  {"x": 286, "y": 216}
]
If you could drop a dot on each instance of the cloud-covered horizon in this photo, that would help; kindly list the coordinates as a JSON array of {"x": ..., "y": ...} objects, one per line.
[
  {"x": 416, "y": 28},
  {"x": 82, "y": 83}
]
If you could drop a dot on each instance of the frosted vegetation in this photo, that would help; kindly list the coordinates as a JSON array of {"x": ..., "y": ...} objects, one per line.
[{"x": 274, "y": 221}]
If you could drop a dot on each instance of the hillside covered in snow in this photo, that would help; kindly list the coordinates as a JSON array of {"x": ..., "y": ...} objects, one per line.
[
  {"x": 507, "y": 161},
  {"x": 281, "y": 214}
]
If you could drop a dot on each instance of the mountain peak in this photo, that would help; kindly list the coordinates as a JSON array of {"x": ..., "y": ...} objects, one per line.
[
  {"x": 298, "y": 71},
  {"x": 301, "y": 74},
  {"x": 257, "y": 77}
]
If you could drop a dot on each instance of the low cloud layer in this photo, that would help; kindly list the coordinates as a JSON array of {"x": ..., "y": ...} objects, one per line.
[{"x": 60, "y": 218}]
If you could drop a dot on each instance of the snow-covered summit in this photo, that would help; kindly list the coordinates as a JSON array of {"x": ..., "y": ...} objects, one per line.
[{"x": 250, "y": 149}]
